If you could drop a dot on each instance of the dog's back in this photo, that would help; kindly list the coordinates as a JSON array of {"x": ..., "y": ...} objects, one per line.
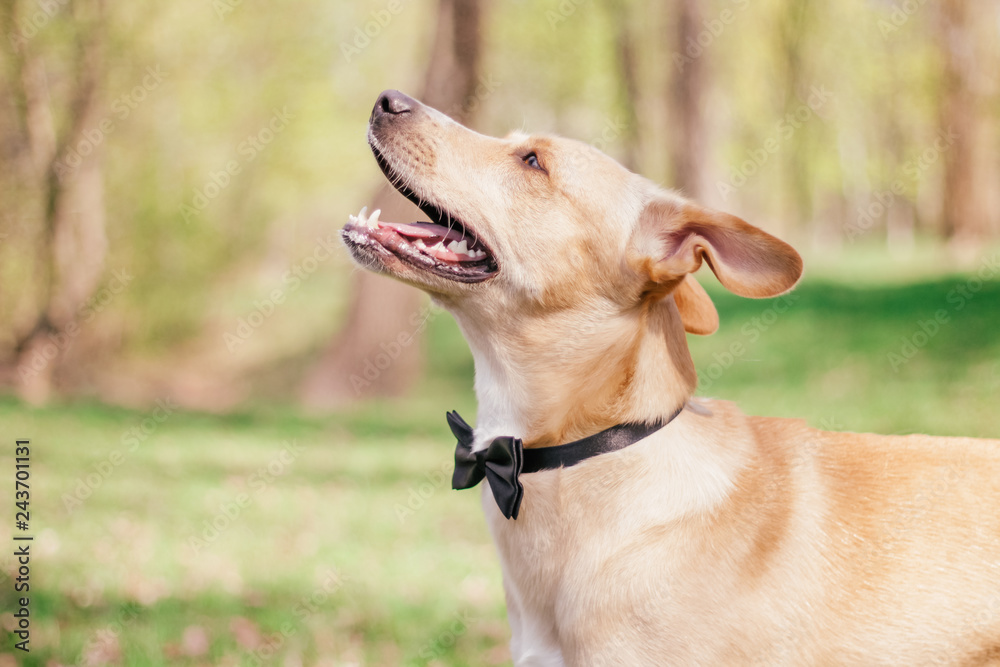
[
  {"x": 805, "y": 547},
  {"x": 908, "y": 542}
]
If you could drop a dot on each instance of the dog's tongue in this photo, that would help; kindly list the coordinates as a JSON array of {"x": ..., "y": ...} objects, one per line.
[
  {"x": 424, "y": 230},
  {"x": 438, "y": 241}
]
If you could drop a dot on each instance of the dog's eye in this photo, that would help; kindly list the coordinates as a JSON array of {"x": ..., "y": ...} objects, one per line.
[{"x": 532, "y": 161}]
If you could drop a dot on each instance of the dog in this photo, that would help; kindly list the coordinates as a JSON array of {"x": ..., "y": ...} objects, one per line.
[{"x": 709, "y": 537}]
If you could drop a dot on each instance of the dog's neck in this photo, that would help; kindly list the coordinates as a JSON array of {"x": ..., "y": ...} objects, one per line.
[{"x": 550, "y": 380}]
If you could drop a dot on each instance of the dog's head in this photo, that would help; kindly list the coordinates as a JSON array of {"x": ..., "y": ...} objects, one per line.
[
  {"x": 546, "y": 220},
  {"x": 546, "y": 239}
]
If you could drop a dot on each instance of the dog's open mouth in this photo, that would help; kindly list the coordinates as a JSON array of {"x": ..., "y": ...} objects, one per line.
[{"x": 445, "y": 246}]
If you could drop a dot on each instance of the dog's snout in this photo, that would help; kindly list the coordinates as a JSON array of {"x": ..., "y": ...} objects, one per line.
[{"x": 393, "y": 102}]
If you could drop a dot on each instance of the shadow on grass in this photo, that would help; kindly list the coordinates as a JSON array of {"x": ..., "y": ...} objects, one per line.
[
  {"x": 893, "y": 359},
  {"x": 962, "y": 317}
]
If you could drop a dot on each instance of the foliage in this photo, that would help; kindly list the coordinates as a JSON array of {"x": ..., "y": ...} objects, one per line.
[{"x": 204, "y": 246}]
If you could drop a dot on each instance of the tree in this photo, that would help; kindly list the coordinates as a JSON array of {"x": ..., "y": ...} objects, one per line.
[
  {"x": 621, "y": 17},
  {"x": 56, "y": 161},
  {"x": 382, "y": 309},
  {"x": 686, "y": 88},
  {"x": 794, "y": 25},
  {"x": 967, "y": 121}
]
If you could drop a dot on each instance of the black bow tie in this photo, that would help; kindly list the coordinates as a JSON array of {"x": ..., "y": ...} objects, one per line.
[
  {"x": 506, "y": 458},
  {"x": 500, "y": 464}
]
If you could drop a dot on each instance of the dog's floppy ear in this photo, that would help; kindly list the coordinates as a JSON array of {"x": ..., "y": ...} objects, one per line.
[
  {"x": 697, "y": 311},
  {"x": 674, "y": 236}
]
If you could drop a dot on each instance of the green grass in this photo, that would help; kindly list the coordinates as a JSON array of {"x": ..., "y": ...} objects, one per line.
[
  {"x": 356, "y": 551},
  {"x": 356, "y": 548},
  {"x": 858, "y": 359}
]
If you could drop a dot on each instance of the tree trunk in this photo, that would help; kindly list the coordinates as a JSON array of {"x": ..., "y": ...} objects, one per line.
[
  {"x": 966, "y": 125},
  {"x": 70, "y": 203},
  {"x": 367, "y": 358},
  {"x": 794, "y": 27},
  {"x": 686, "y": 131},
  {"x": 621, "y": 15}
]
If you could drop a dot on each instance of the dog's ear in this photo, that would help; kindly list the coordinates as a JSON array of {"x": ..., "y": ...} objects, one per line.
[
  {"x": 697, "y": 311},
  {"x": 674, "y": 236}
]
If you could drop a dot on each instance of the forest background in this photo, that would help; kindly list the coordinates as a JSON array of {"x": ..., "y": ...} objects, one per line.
[{"x": 176, "y": 310}]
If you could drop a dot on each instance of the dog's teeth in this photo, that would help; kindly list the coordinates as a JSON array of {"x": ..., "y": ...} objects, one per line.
[
  {"x": 459, "y": 248},
  {"x": 419, "y": 243},
  {"x": 363, "y": 214},
  {"x": 373, "y": 220}
]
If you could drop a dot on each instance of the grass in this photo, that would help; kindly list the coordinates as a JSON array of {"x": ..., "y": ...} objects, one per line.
[
  {"x": 337, "y": 540},
  {"x": 888, "y": 359},
  {"x": 335, "y": 551}
]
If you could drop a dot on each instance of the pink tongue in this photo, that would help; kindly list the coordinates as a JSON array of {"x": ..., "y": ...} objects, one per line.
[{"x": 424, "y": 230}]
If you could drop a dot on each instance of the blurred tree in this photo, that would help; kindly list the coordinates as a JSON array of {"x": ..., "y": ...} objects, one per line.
[
  {"x": 885, "y": 118},
  {"x": 621, "y": 16},
  {"x": 794, "y": 28},
  {"x": 53, "y": 158},
  {"x": 968, "y": 120},
  {"x": 686, "y": 86},
  {"x": 382, "y": 309},
  {"x": 869, "y": 165}
]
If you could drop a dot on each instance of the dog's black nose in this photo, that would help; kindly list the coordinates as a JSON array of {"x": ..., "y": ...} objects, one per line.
[{"x": 393, "y": 102}]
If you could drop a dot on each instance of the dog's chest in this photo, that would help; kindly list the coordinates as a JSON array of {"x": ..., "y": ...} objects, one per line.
[{"x": 530, "y": 586}]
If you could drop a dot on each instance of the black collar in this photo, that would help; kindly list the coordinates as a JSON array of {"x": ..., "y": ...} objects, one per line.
[{"x": 506, "y": 458}]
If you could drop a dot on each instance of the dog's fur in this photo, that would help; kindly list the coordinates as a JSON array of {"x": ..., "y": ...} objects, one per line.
[{"x": 722, "y": 539}]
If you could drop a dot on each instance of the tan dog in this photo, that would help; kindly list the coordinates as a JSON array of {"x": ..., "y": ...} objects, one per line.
[{"x": 721, "y": 539}]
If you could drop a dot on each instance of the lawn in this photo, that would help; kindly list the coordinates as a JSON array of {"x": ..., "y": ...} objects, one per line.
[{"x": 273, "y": 538}]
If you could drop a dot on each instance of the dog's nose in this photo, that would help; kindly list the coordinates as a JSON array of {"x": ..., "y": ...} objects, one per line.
[{"x": 393, "y": 102}]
